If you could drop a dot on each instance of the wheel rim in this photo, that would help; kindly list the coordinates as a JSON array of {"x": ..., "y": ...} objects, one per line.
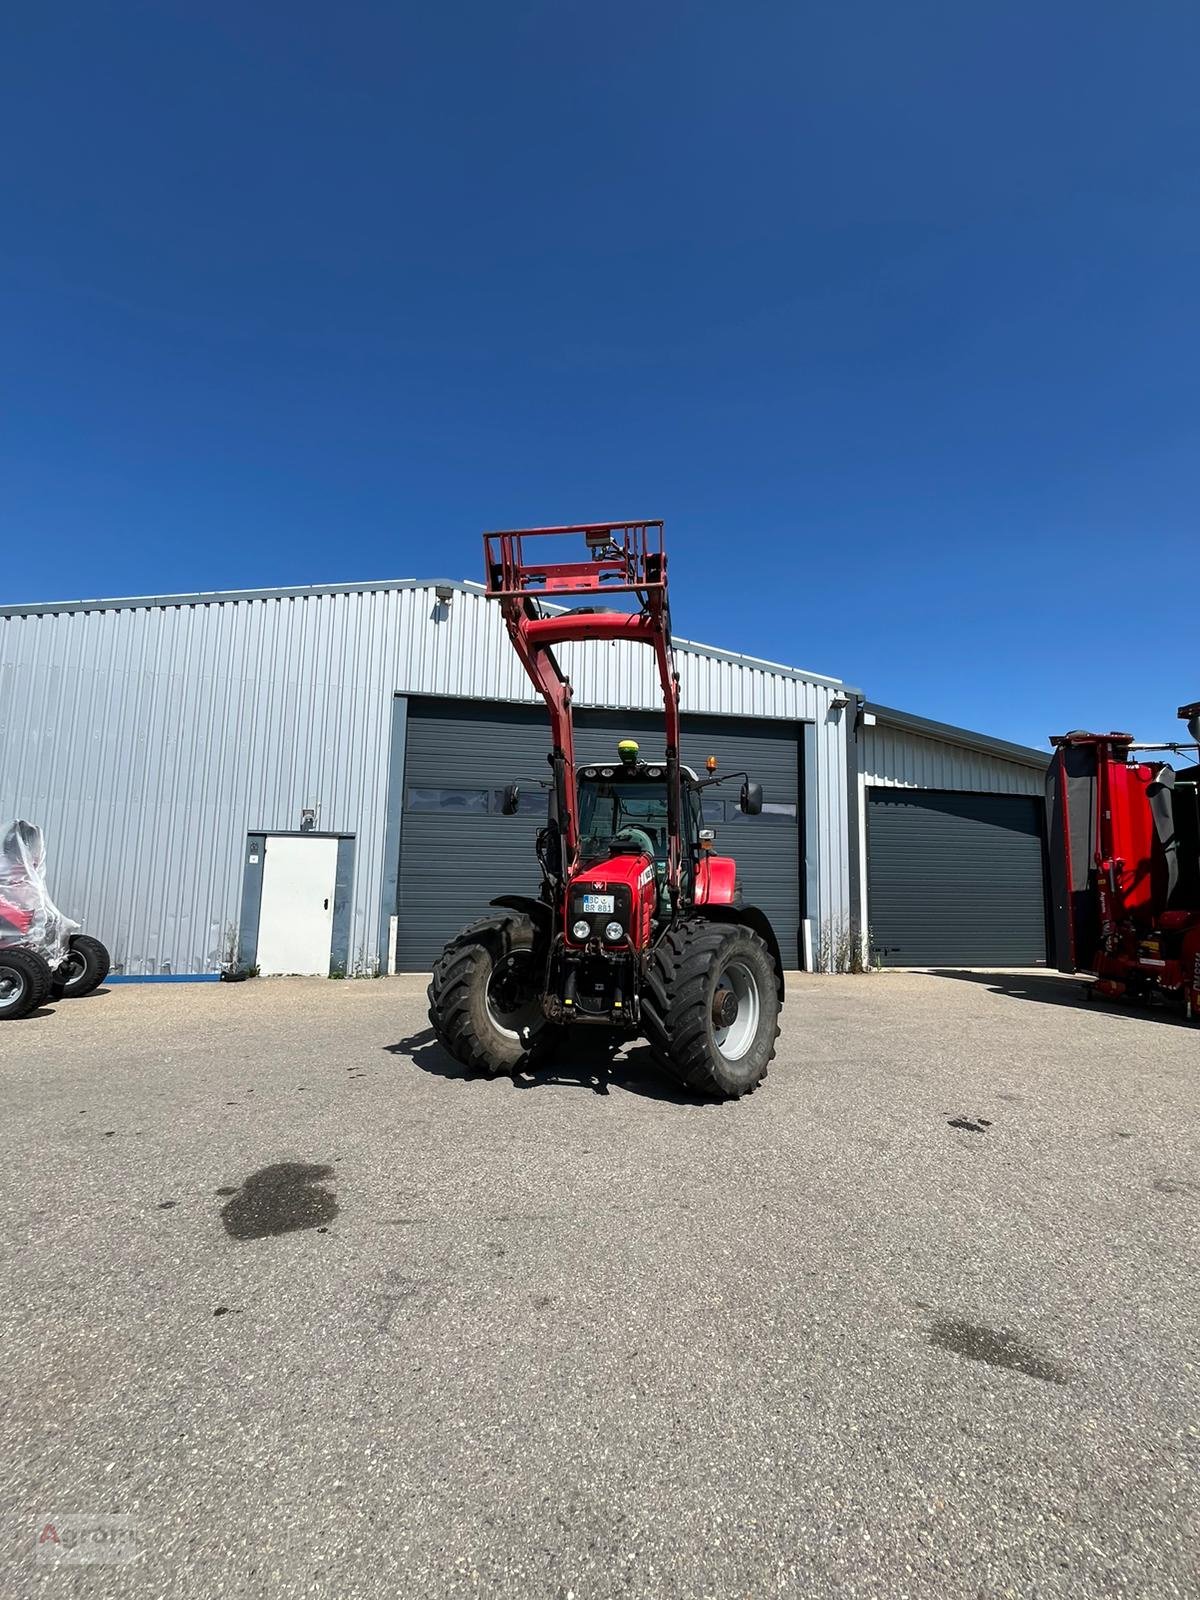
[
  {"x": 511, "y": 1002},
  {"x": 13, "y": 985},
  {"x": 734, "y": 1037},
  {"x": 73, "y": 969}
]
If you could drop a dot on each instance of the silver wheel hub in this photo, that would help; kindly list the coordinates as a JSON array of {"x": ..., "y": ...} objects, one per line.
[
  {"x": 12, "y": 988},
  {"x": 512, "y": 1008},
  {"x": 735, "y": 1011}
]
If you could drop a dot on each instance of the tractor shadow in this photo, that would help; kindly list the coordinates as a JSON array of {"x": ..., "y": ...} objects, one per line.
[
  {"x": 635, "y": 1071},
  {"x": 1059, "y": 989}
]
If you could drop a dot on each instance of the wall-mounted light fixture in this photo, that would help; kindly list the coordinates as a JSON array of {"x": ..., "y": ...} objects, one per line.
[{"x": 443, "y": 594}]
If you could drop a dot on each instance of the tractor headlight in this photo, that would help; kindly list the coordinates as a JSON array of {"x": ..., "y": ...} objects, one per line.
[
  {"x": 581, "y": 929},
  {"x": 613, "y": 932}
]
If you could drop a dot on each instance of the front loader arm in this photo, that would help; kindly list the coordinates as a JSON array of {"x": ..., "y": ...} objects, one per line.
[
  {"x": 554, "y": 686},
  {"x": 625, "y": 558}
]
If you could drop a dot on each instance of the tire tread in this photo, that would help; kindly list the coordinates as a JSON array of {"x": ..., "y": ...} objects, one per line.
[
  {"x": 98, "y": 963},
  {"x": 675, "y": 1004},
  {"x": 37, "y": 974},
  {"x": 450, "y": 994}
]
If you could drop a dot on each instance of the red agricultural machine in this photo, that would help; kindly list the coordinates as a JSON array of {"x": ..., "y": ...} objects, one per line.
[
  {"x": 43, "y": 956},
  {"x": 1125, "y": 864},
  {"x": 639, "y": 927}
]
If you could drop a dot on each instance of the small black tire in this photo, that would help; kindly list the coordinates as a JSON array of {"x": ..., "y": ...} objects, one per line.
[
  {"x": 24, "y": 982},
  {"x": 487, "y": 966},
  {"x": 692, "y": 970},
  {"x": 85, "y": 968}
]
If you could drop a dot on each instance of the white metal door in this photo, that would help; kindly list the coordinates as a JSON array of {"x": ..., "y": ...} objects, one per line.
[{"x": 295, "y": 922}]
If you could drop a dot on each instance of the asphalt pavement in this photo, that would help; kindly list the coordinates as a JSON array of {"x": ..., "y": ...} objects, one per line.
[{"x": 304, "y": 1312}]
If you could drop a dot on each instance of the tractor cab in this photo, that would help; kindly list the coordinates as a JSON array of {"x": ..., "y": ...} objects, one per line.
[{"x": 623, "y": 811}]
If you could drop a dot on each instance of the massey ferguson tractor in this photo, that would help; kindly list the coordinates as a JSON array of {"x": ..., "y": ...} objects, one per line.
[
  {"x": 639, "y": 928},
  {"x": 1125, "y": 865}
]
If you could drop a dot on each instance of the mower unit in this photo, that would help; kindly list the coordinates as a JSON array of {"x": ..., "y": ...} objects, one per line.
[
  {"x": 639, "y": 927},
  {"x": 1125, "y": 865}
]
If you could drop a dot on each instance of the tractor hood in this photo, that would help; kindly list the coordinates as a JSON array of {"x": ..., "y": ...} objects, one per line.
[{"x": 622, "y": 888}]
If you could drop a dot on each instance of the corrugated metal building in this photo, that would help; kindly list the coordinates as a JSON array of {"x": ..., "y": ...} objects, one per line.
[{"x": 168, "y": 743}]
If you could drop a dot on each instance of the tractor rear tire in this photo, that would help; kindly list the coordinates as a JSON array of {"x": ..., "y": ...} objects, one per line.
[
  {"x": 485, "y": 997},
  {"x": 710, "y": 1007},
  {"x": 85, "y": 968},
  {"x": 24, "y": 982}
]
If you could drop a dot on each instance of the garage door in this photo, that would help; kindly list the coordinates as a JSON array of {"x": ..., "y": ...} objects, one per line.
[
  {"x": 956, "y": 879},
  {"x": 457, "y": 849}
]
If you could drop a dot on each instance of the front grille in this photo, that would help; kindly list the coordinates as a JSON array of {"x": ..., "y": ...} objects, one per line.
[{"x": 622, "y": 911}]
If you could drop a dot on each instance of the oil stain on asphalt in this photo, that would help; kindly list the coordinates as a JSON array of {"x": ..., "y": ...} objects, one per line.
[
  {"x": 1176, "y": 1186},
  {"x": 284, "y": 1198},
  {"x": 977, "y": 1342}
]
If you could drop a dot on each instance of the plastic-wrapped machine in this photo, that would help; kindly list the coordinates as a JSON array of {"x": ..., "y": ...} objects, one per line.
[{"x": 28, "y": 916}]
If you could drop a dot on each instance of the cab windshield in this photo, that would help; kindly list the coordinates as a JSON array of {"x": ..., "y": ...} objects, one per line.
[{"x": 609, "y": 805}]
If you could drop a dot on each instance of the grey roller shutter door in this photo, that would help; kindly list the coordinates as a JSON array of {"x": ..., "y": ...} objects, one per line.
[
  {"x": 956, "y": 879},
  {"x": 454, "y": 858}
]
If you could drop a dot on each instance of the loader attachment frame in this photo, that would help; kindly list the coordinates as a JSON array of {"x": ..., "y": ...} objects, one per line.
[{"x": 625, "y": 558}]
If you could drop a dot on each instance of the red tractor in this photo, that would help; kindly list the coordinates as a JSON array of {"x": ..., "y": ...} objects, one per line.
[
  {"x": 1125, "y": 865},
  {"x": 639, "y": 927}
]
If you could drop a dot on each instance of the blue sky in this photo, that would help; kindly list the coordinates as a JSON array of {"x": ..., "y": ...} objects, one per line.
[{"x": 889, "y": 311}]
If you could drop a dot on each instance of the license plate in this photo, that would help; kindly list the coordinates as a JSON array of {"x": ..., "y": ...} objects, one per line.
[{"x": 600, "y": 903}]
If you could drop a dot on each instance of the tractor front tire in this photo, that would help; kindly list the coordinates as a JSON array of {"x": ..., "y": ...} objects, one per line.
[
  {"x": 24, "y": 982},
  {"x": 485, "y": 997},
  {"x": 710, "y": 1007},
  {"x": 85, "y": 968}
]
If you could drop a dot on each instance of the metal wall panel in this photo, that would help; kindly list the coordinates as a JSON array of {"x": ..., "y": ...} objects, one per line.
[
  {"x": 894, "y": 758},
  {"x": 150, "y": 737}
]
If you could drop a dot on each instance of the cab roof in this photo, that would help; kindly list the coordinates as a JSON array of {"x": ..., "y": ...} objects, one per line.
[{"x": 613, "y": 769}]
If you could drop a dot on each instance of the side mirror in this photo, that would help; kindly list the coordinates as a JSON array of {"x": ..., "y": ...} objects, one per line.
[
  {"x": 512, "y": 800},
  {"x": 751, "y": 800}
]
